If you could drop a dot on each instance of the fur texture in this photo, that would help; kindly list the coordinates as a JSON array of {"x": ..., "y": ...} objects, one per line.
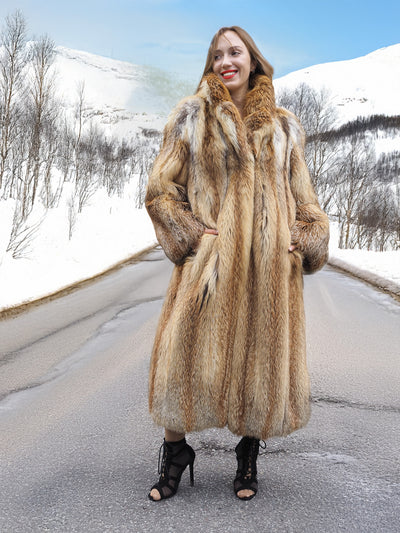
[{"x": 230, "y": 344}]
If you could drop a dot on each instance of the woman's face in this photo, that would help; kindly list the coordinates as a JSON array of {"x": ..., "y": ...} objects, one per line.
[{"x": 232, "y": 63}]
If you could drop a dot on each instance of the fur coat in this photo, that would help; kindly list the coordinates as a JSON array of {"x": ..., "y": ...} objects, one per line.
[{"x": 230, "y": 344}]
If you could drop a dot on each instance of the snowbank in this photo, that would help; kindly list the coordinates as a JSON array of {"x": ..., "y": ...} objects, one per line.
[
  {"x": 382, "y": 269},
  {"x": 108, "y": 232},
  {"x": 105, "y": 234}
]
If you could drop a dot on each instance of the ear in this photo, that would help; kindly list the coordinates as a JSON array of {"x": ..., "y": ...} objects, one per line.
[{"x": 253, "y": 65}]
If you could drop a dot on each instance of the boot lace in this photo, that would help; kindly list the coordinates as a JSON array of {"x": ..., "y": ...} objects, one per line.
[{"x": 162, "y": 460}]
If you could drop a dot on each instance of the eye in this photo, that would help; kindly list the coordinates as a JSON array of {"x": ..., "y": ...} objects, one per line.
[
  {"x": 216, "y": 57},
  {"x": 235, "y": 52}
]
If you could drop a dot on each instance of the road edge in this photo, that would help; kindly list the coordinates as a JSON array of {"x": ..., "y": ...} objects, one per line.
[
  {"x": 17, "y": 309},
  {"x": 378, "y": 282}
]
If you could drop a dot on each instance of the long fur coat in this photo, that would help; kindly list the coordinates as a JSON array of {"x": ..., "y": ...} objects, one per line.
[{"x": 230, "y": 344}]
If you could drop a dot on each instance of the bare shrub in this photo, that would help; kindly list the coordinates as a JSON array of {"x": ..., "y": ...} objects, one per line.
[{"x": 22, "y": 234}]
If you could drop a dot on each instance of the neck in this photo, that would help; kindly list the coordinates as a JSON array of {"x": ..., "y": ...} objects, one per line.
[{"x": 239, "y": 98}]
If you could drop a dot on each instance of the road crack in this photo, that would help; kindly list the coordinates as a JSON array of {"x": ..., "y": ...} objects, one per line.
[{"x": 341, "y": 402}]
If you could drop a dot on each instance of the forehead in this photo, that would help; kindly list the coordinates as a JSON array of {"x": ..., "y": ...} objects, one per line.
[{"x": 229, "y": 39}]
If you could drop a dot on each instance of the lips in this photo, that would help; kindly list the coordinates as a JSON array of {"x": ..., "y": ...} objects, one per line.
[{"x": 228, "y": 74}]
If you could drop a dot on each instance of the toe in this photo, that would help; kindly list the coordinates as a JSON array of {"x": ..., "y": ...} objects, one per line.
[
  {"x": 245, "y": 493},
  {"x": 155, "y": 495}
]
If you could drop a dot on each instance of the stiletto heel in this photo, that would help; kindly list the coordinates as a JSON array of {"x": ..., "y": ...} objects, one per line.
[
  {"x": 176, "y": 456},
  {"x": 191, "y": 474}
]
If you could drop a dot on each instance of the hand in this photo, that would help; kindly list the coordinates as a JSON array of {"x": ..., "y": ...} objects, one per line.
[
  {"x": 292, "y": 247},
  {"x": 209, "y": 231}
]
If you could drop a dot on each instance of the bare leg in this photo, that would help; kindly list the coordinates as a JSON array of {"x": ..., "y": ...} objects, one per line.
[{"x": 170, "y": 436}]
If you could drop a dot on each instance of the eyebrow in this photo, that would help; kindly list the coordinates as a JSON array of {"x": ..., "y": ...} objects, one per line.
[{"x": 230, "y": 48}]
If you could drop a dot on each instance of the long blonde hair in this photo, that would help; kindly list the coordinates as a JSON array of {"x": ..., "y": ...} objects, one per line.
[{"x": 262, "y": 65}]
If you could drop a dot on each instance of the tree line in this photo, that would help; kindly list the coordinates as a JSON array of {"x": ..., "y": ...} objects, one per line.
[
  {"x": 372, "y": 123},
  {"x": 355, "y": 187},
  {"x": 43, "y": 147}
]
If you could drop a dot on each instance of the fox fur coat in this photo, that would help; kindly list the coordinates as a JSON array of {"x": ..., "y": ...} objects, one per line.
[{"x": 230, "y": 344}]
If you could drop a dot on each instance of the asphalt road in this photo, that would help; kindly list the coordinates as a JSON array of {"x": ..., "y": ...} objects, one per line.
[{"x": 79, "y": 450}]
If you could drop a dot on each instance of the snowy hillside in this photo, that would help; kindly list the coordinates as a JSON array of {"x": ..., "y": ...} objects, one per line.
[
  {"x": 363, "y": 86},
  {"x": 119, "y": 96},
  {"x": 124, "y": 97}
]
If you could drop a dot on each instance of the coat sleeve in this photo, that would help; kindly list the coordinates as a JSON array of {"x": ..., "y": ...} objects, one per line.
[
  {"x": 177, "y": 229},
  {"x": 310, "y": 231}
]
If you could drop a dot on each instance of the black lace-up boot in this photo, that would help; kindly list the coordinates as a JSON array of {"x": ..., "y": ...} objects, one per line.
[
  {"x": 176, "y": 456},
  {"x": 246, "y": 474}
]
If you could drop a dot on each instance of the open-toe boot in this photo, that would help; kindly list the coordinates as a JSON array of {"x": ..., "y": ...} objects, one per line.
[
  {"x": 246, "y": 474},
  {"x": 176, "y": 456}
]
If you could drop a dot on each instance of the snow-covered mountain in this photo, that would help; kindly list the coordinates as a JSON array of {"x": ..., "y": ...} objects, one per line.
[
  {"x": 118, "y": 95},
  {"x": 363, "y": 86},
  {"x": 124, "y": 97}
]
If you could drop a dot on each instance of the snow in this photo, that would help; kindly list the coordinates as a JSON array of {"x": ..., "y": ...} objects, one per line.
[
  {"x": 385, "y": 144},
  {"x": 363, "y": 86},
  {"x": 124, "y": 98},
  {"x": 118, "y": 95},
  {"x": 106, "y": 233},
  {"x": 382, "y": 269},
  {"x": 117, "y": 91}
]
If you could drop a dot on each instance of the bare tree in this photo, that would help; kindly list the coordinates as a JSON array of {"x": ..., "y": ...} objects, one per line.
[
  {"x": 107, "y": 154},
  {"x": 87, "y": 165},
  {"x": 42, "y": 110},
  {"x": 357, "y": 169},
  {"x": 12, "y": 62},
  {"x": 79, "y": 121},
  {"x": 145, "y": 156},
  {"x": 71, "y": 216},
  {"x": 16, "y": 161},
  {"x": 379, "y": 221},
  {"x": 52, "y": 183},
  {"x": 65, "y": 150},
  {"x": 314, "y": 108},
  {"x": 318, "y": 115},
  {"x": 79, "y": 112}
]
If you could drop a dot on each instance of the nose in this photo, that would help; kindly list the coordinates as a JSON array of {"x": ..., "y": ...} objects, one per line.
[{"x": 226, "y": 62}]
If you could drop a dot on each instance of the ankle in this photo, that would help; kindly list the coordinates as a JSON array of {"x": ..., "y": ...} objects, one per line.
[
  {"x": 175, "y": 442},
  {"x": 176, "y": 446},
  {"x": 173, "y": 436}
]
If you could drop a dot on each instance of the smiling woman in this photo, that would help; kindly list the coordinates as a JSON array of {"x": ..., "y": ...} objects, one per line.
[
  {"x": 239, "y": 37},
  {"x": 233, "y": 207},
  {"x": 233, "y": 64},
  {"x": 235, "y": 58}
]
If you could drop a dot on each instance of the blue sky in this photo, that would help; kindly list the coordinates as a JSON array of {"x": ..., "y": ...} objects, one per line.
[{"x": 175, "y": 34}]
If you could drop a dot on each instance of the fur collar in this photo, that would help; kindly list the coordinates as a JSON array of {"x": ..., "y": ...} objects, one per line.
[
  {"x": 259, "y": 108},
  {"x": 260, "y": 100}
]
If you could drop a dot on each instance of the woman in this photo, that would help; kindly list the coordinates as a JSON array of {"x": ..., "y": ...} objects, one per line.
[{"x": 233, "y": 207}]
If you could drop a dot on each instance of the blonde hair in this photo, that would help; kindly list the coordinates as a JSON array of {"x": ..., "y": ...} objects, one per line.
[{"x": 262, "y": 65}]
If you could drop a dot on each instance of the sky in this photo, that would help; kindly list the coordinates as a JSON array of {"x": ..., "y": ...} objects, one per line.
[{"x": 175, "y": 34}]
